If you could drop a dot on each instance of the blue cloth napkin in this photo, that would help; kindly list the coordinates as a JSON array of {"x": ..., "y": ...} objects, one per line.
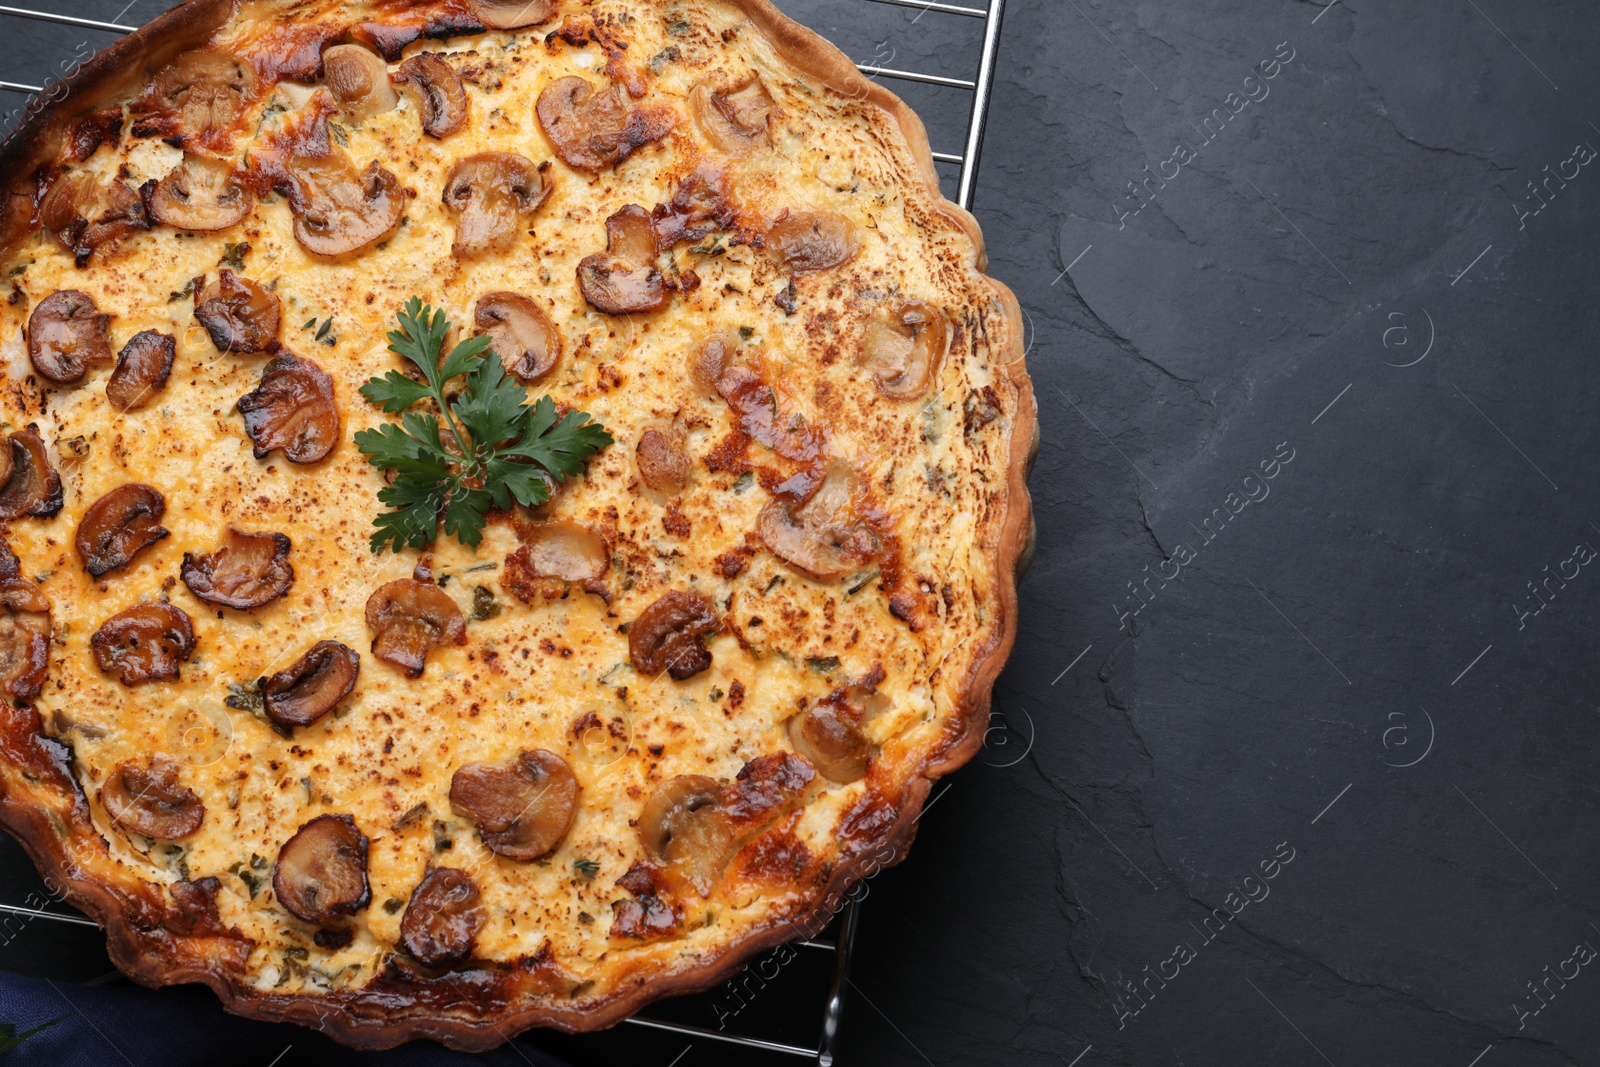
[{"x": 124, "y": 1024}]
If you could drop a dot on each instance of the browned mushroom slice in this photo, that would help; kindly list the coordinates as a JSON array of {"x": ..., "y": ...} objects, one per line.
[
  {"x": 624, "y": 278},
  {"x": 321, "y": 871},
  {"x": 520, "y": 333},
  {"x": 206, "y": 88},
  {"x": 66, "y": 333},
  {"x": 699, "y": 207},
  {"x": 682, "y": 827},
  {"x": 359, "y": 79},
  {"x": 902, "y": 348},
  {"x": 33, "y": 487},
  {"x": 663, "y": 464},
  {"x": 823, "y": 537},
  {"x": 736, "y": 120},
  {"x": 144, "y": 644},
  {"x": 669, "y": 635},
  {"x": 339, "y": 209},
  {"x": 552, "y": 555},
  {"x": 312, "y": 686},
  {"x": 442, "y": 921},
  {"x": 438, "y": 92},
  {"x": 523, "y": 808},
  {"x": 813, "y": 240},
  {"x": 125, "y": 214},
  {"x": 828, "y": 734},
  {"x": 24, "y": 657},
  {"x": 62, "y": 211},
  {"x": 143, "y": 366},
  {"x": 591, "y": 128},
  {"x": 512, "y": 14},
  {"x": 117, "y": 526},
  {"x": 492, "y": 194},
  {"x": 24, "y": 631},
  {"x": 706, "y": 364},
  {"x": 238, "y": 314},
  {"x": 202, "y": 194},
  {"x": 246, "y": 571},
  {"x": 293, "y": 409},
  {"x": 408, "y": 618},
  {"x": 149, "y": 801}
]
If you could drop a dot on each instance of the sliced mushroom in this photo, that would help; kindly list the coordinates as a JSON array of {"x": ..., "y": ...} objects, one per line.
[
  {"x": 339, "y": 209},
  {"x": 144, "y": 644},
  {"x": 828, "y": 734},
  {"x": 119, "y": 525},
  {"x": 321, "y": 871},
  {"x": 312, "y": 686},
  {"x": 520, "y": 333},
  {"x": 699, "y": 207},
  {"x": 24, "y": 657},
  {"x": 149, "y": 801},
  {"x": 903, "y": 346},
  {"x": 523, "y": 808},
  {"x": 438, "y": 92},
  {"x": 442, "y": 921},
  {"x": 143, "y": 366},
  {"x": 246, "y": 571},
  {"x": 682, "y": 827},
  {"x": 813, "y": 240},
  {"x": 706, "y": 364},
  {"x": 201, "y": 193},
  {"x": 64, "y": 208},
  {"x": 206, "y": 87},
  {"x": 492, "y": 194},
  {"x": 239, "y": 314},
  {"x": 670, "y": 635},
  {"x": 624, "y": 278},
  {"x": 125, "y": 214},
  {"x": 512, "y": 14},
  {"x": 736, "y": 120},
  {"x": 33, "y": 487},
  {"x": 66, "y": 333},
  {"x": 823, "y": 538},
  {"x": 24, "y": 631},
  {"x": 293, "y": 409},
  {"x": 553, "y": 555},
  {"x": 410, "y": 617},
  {"x": 663, "y": 463},
  {"x": 359, "y": 79},
  {"x": 591, "y": 129}
]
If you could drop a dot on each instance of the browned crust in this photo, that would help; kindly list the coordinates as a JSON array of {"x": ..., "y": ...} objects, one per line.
[{"x": 138, "y": 942}]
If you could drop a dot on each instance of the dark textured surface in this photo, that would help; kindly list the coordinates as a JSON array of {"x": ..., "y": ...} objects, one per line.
[{"x": 1368, "y": 608}]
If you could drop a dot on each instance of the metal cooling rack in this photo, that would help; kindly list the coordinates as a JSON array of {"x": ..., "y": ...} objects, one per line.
[{"x": 980, "y": 85}]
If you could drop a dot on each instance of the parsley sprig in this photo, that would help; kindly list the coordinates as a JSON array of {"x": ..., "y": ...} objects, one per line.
[{"x": 491, "y": 449}]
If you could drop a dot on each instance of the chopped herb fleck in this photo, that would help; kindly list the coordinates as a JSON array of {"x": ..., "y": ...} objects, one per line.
[
  {"x": 823, "y": 664},
  {"x": 587, "y": 868},
  {"x": 233, "y": 254},
  {"x": 484, "y": 604}
]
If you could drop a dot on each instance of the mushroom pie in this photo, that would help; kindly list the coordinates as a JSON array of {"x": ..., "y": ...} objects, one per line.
[{"x": 507, "y": 505}]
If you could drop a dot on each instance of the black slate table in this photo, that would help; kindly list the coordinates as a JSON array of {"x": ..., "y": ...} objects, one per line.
[{"x": 1293, "y": 761}]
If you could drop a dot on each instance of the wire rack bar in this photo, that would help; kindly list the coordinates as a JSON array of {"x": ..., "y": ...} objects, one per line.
[
  {"x": 980, "y": 103},
  {"x": 53, "y": 916},
  {"x": 915, "y": 76},
  {"x": 18, "y": 87},
  {"x": 946, "y": 9},
  {"x": 68, "y": 20}
]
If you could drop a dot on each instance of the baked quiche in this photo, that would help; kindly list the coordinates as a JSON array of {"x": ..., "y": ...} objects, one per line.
[{"x": 508, "y": 505}]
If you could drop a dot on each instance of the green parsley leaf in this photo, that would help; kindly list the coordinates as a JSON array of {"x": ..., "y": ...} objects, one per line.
[
  {"x": 486, "y": 448},
  {"x": 10, "y": 1039}
]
